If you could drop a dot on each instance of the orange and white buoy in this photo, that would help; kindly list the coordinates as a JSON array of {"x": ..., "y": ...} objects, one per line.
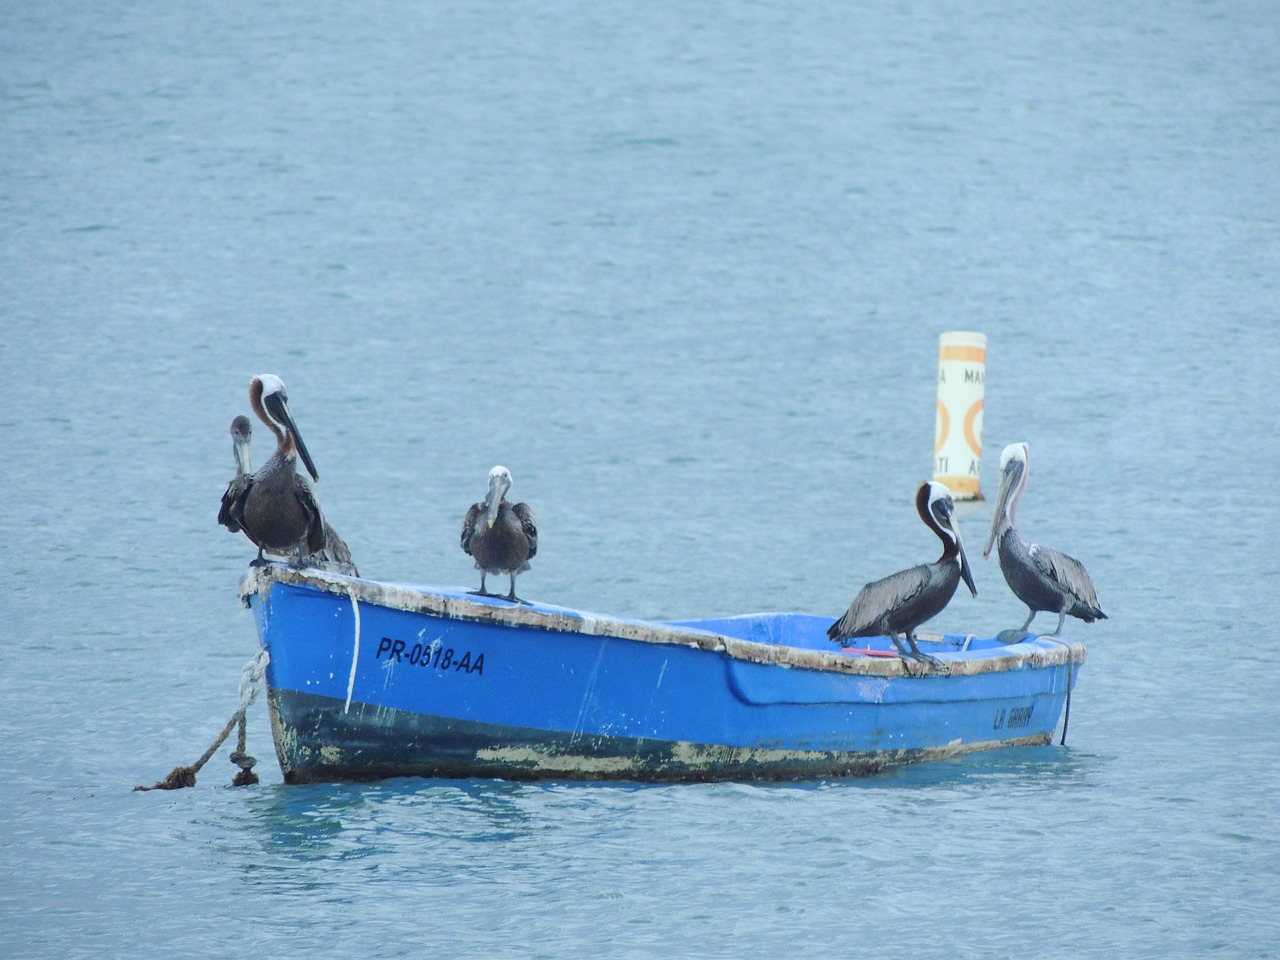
[{"x": 957, "y": 448}]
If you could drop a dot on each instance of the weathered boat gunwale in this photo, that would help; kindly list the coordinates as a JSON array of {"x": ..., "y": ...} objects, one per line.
[{"x": 406, "y": 598}]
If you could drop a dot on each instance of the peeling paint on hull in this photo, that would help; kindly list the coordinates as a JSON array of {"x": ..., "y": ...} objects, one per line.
[
  {"x": 412, "y": 745},
  {"x": 374, "y": 680}
]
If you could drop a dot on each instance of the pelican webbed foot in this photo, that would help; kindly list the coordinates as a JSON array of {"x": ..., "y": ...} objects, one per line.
[
  {"x": 919, "y": 657},
  {"x": 913, "y": 664},
  {"x": 1015, "y": 635},
  {"x": 915, "y": 653}
]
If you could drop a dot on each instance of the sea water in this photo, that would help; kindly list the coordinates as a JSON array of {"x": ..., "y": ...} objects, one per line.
[{"x": 682, "y": 269}]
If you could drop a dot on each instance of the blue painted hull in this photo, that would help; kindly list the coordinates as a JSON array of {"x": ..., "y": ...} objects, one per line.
[{"x": 370, "y": 680}]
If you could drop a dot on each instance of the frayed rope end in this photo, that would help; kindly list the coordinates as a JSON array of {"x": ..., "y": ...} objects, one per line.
[{"x": 178, "y": 778}]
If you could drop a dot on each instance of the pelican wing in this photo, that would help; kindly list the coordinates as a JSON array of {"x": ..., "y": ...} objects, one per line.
[
  {"x": 336, "y": 555},
  {"x": 868, "y": 615},
  {"x": 306, "y": 497},
  {"x": 231, "y": 513},
  {"x": 336, "y": 547},
  {"x": 1068, "y": 574},
  {"x": 530, "y": 526},
  {"x": 469, "y": 524}
]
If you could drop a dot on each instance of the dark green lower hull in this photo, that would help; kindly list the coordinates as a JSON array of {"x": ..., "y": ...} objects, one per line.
[{"x": 318, "y": 739}]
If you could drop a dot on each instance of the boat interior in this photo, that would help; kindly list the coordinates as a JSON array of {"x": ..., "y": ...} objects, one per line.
[{"x": 809, "y": 632}]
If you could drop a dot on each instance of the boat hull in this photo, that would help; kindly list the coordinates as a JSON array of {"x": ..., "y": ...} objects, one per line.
[
  {"x": 368, "y": 681},
  {"x": 375, "y": 743}
]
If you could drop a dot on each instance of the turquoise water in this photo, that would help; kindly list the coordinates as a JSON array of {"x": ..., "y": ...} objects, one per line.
[{"x": 682, "y": 269}]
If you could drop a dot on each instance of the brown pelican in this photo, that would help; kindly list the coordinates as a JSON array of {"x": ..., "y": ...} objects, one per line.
[
  {"x": 502, "y": 537},
  {"x": 1042, "y": 578},
  {"x": 902, "y": 601},
  {"x": 232, "y": 500},
  {"x": 276, "y": 507},
  {"x": 334, "y": 557}
]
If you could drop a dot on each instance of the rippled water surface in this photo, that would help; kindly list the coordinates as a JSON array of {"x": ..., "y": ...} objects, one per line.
[{"x": 682, "y": 268}]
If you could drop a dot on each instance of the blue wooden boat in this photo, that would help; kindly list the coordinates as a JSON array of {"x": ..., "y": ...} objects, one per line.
[{"x": 369, "y": 680}]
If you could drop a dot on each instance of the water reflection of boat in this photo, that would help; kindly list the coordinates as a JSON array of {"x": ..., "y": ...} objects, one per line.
[{"x": 370, "y": 680}]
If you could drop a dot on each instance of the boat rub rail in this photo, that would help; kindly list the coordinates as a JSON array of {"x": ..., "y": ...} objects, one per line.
[{"x": 397, "y": 597}]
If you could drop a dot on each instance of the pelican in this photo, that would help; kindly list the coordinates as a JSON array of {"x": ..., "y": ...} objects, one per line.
[
  {"x": 241, "y": 432},
  {"x": 334, "y": 557},
  {"x": 902, "y": 601},
  {"x": 1040, "y": 577},
  {"x": 276, "y": 507},
  {"x": 502, "y": 537}
]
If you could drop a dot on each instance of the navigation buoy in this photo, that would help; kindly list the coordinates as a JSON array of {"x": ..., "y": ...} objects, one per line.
[{"x": 957, "y": 447}]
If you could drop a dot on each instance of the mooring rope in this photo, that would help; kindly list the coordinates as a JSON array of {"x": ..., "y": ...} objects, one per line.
[
  {"x": 250, "y": 683},
  {"x": 1066, "y": 713}
]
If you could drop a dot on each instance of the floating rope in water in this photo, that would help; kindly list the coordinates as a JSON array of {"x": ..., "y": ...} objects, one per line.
[{"x": 250, "y": 683}]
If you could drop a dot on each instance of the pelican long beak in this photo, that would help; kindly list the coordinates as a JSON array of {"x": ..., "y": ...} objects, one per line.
[
  {"x": 1000, "y": 517},
  {"x": 945, "y": 515},
  {"x": 493, "y": 502},
  {"x": 965, "y": 573},
  {"x": 302, "y": 451},
  {"x": 244, "y": 458},
  {"x": 279, "y": 409}
]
